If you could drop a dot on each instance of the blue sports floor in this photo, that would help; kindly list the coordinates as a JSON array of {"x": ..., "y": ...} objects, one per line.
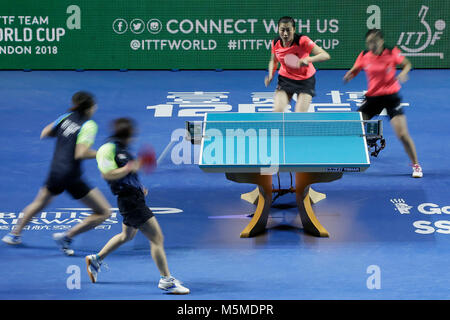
[{"x": 389, "y": 233}]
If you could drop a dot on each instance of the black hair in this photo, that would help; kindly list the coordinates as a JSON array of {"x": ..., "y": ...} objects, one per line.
[
  {"x": 123, "y": 128},
  {"x": 376, "y": 32},
  {"x": 81, "y": 101},
  {"x": 287, "y": 19}
]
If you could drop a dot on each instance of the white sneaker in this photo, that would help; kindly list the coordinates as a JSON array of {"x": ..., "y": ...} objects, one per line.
[
  {"x": 172, "y": 285},
  {"x": 93, "y": 266},
  {"x": 12, "y": 239},
  {"x": 417, "y": 171},
  {"x": 64, "y": 242}
]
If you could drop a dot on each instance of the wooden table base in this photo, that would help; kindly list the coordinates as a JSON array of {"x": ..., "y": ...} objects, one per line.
[{"x": 262, "y": 197}]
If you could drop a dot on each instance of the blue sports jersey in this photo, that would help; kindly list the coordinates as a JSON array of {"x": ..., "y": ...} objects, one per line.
[
  {"x": 69, "y": 130},
  {"x": 113, "y": 155}
]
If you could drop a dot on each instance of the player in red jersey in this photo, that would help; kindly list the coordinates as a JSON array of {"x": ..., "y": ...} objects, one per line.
[
  {"x": 380, "y": 64},
  {"x": 297, "y": 79}
]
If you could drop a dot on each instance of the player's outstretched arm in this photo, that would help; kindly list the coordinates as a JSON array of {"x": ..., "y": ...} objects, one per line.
[
  {"x": 350, "y": 74},
  {"x": 406, "y": 67},
  {"x": 273, "y": 65},
  {"x": 46, "y": 132},
  {"x": 357, "y": 67}
]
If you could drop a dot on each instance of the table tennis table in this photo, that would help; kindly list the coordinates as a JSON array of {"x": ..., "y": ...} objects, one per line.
[{"x": 251, "y": 147}]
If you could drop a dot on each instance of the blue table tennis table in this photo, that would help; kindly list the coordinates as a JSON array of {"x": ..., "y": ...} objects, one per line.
[{"x": 251, "y": 147}]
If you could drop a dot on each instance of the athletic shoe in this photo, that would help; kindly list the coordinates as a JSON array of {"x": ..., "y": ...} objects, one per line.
[
  {"x": 172, "y": 285},
  {"x": 417, "y": 171},
  {"x": 93, "y": 266},
  {"x": 12, "y": 239},
  {"x": 64, "y": 242}
]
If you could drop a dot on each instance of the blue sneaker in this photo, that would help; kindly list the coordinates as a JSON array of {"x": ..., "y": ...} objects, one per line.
[
  {"x": 12, "y": 239},
  {"x": 93, "y": 266},
  {"x": 64, "y": 242}
]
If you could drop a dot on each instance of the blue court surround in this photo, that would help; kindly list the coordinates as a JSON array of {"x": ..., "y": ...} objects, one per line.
[{"x": 362, "y": 211}]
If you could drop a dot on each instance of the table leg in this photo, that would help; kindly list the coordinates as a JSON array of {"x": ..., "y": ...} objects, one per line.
[
  {"x": 258, "y": 222},
  {"x": 303, "y": 180}
]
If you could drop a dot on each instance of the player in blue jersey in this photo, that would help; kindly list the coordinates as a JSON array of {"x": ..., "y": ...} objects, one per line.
[
  {"x": 119, "y": 168},
  {"x": 75, "y": 133}
]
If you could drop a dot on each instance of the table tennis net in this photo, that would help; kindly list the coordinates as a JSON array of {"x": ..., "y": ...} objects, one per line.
[{"x": 294, "y": 128}]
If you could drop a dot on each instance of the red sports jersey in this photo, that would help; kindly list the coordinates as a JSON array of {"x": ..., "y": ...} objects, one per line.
[
  {"x": 380, "y": 71},
  {"x": 301, "y": 47}
]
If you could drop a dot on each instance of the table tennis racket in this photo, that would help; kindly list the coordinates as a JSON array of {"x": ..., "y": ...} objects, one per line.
[
  {"x": 147, "y": 156},
  {"x": 292, "y": 61}
]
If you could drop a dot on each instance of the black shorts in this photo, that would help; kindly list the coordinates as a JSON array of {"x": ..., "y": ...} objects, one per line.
[
  {"x": 373, "y": 106},
  {"x": 133, "y": 208},
  {"x": 75, "y": 186},
  {"x": 297, "y": 86}
]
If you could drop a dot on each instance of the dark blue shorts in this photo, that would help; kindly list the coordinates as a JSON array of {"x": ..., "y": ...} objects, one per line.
[
  {"x": 75, "y": 186},
  {"x": 133, "y": 208}
]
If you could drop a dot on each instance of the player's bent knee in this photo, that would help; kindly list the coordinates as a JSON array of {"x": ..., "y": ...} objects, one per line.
[
  {"x": 157, "y": 239},
  {"x": 402, "y": 134},
  {"x": 404, "y": 137},
  {"x": 103, "y": 213},
  {"x": 39, "y": 203},
  {"x": 126, "y": 237},
  {"x": 42, "y": 199},
  {"x": 100, "y": 216}
]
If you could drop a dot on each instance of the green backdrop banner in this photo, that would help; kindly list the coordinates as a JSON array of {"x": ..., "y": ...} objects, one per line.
[{"x": 198, "y": 34}]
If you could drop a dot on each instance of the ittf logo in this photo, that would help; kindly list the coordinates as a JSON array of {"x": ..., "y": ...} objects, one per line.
[{"x": 413, "y": 43}]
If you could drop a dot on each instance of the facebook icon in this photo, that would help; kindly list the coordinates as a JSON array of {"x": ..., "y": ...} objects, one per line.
[{"x": 120, "y": 26}]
